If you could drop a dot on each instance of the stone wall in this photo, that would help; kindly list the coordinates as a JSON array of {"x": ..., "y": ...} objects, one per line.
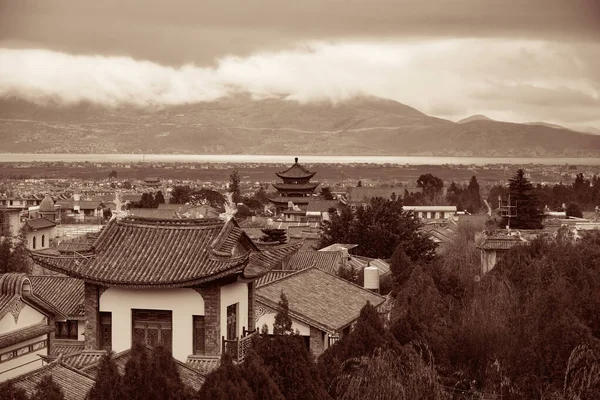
[
  {"x": 212, "y": 319},
  {"x": 316, "y": 341}
]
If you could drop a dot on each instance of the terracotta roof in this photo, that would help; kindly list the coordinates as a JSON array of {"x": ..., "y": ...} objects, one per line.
[
  {"x": 74, "y": 246},
  {"x": 311, "y": 186},
  {"x": 273, "y": 276},
  {"x": 296, "y": 171},
  {"x": 319, "y": 299},
  {"x": 362, "y": 262},
  {"x": 328, "y": 261},
  {"x": 204, "y": 364},
  {"x": 339, "y": 247},
  {"x": 147, "y": 252},
  {"x": 66, "y": 347},
  {"x": 64, "y": 293},
  {"x": 83, "y": 204},
  {"x": 74, "y": 384},
  {"x": 21, "y": 335},
  {"x": 39, "y": 223},
  {"x": 83, "y": 358},
  {"x": 269, "y": 257},
  {"x": 189, "y": 376},
  {"x": 498, "y": 242}
]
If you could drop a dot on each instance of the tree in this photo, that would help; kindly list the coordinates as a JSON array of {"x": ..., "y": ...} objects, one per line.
[
  {"x": 257, "y": 376},
  {"x": 401, "y": 266},
  {"x": 47, "y": 389},
  {"x": 18, "y": 260},
  {"x": 283, "y": 321},
  {"x": 529, "y": 213},
  {"x": 159, "y": 198},
  {"x": 234, "y": 186},
  {"x": 378, "y": 229},
  {"x": 147, "y": 201},
  {"x": 108, "y": 385},
  {"x": 574, "y": 210},
  {"x": 326, "y": 193},
  {"x": 165, "y": 380},
  {"x": 5, "y": 250},
  {"x": 137, "y": 383},
  {"x": 107, "y": 213},
  {"x": 112, "y": 174},
  {"x": 359, "y": 184},
  {"x": 261, "y": 196},
  {"x": 474, "y": 203},
  {"x": 180, "y": 195},
  {"x": 225, "y": 383},
  {"x": 8, "y": 391},
  {"x": 431, "y": 185}
]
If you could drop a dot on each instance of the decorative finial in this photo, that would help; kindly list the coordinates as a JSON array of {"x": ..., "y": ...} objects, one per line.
[{"x": 296, "y": 160}]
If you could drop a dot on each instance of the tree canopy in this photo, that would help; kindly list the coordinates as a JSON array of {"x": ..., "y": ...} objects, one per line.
[{"x": 529, "y": 213}]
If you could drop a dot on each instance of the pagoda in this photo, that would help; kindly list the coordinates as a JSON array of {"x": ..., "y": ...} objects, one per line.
[{"x": 295, "y": 190}]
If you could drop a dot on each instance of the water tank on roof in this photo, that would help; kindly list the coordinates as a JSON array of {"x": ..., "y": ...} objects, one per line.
[{"x": 372, "y": 278}]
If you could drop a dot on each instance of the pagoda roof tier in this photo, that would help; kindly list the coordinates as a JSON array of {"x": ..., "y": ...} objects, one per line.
[
  {"x": 296, "y": 171},
  {"x": 285, "y": 187},
  {"x": 153, "y": 253},
  {"x": 286, "y": 200}
]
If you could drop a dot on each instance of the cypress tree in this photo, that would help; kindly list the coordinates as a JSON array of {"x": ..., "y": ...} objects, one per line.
[
  {"x": 529, "y": 212},
  {"x": 165, "y": 380},
  {"x": 257, "y": 376},
  {"x": 226, "y": 383},
  {"x": 109, "y": 383},
  {"x": 9, "y": 392},
  {"x": 283, "y": 321},
  {"x": 136, "y": 380}
]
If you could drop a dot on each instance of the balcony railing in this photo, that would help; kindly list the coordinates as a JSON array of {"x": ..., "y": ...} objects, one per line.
[{"x": 238, "y": 348}]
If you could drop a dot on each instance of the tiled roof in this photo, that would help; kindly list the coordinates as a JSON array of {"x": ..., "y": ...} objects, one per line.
[
  {"x": 11, "y": 293},
  {"x": 269, "y": 258},
  {"x": 66, "y": 347},
  {"x": 498, "y": 242},
  {"x": 296, "y": 186},
  {"x": 286, "y": 200},
  {"x": 21, "y": 335},
  {"x": 146, "y": 252},
  {"x": 296, "y": 171},
  {"x": 74, "y": 246},
  {"x": 328, "y": 261},
  {"x": 74, "y": 384},
  {"x": 430, "y": 208},
  {"x": 189, "y": 376},
  {"x": 64, "y": 293},
  {"x": 83, "y": 204},
  {"x": 364, "y": 193},
  {"x": 39, "y": 223},
  {"x": 362, "y": 262},
  {"x": 322, "y": 205},
  {"x": 204, "y": 364},
  {"x": 273, "y": 276},
  {"x": 338, "y": 247},
  {"x": 83, "y": 358},
  {"x": 319, "y": 299}
]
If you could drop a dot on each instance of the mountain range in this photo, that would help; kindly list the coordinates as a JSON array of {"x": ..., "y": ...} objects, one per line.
[{"x": 241, "y": 125}]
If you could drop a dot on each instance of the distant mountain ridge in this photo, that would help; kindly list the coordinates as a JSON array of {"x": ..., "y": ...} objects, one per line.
[{"x": 240, "y": 125}]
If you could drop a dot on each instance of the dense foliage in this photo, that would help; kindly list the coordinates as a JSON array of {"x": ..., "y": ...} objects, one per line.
[
  {"x": 234, "y": 187},
  {"x": 13, "y": 254},
  {"x": 187, "y": 195},
  {"x": 529, "y": 214},
  {"x": 378, "y": 229},
  {"x": 108, "y": 384},
  {"x": 47, "y": 389}
]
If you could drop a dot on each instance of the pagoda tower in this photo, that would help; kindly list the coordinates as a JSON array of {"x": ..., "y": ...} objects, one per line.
[{"x": 296, "y": 188}]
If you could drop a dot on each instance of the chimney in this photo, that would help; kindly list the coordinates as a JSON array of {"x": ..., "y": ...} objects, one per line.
[{"x": 296, "y": 160}]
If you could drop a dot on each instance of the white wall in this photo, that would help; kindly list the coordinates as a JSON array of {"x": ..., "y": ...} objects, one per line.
[
  {"x": 269, "y": 319},
  {"x": 236, "y": 292},
  {"x": 182, "y": 302},
  {"x": 49, "y": 233},
  {"x": 27, "y": 317},
  {"x": 81, "y": 330},
  {"x": 22, "y": 364}
]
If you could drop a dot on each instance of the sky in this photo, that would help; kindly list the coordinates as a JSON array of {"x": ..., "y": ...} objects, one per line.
[{"x": 511, "y": 60}]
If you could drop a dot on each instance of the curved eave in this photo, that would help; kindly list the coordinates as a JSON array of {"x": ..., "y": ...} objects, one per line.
[
  {"x": 293, "y": 187},
  {"x": 284, "y": 175},
  {"x": 53, "y": 263}
]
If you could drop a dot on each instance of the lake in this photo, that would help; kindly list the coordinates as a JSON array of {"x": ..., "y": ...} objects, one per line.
[{"x": 287, "y": 159}]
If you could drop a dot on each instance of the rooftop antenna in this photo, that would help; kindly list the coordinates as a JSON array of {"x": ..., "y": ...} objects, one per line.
[{"x": 508, "y": 210}]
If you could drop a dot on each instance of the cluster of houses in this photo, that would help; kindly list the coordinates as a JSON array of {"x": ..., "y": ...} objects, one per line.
[{"x": 198, "y": 283}]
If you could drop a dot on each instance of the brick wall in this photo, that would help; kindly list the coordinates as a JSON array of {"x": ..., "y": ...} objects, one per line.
[
  {"x": 212, "y": 318},
  {"x": 92, "y": 320},
  {"x": 251, "y": 305},
  {"x": 316, "y": 341}
]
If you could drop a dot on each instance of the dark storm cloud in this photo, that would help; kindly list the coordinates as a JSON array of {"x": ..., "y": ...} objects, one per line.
[{"x": 181, "y": 31}]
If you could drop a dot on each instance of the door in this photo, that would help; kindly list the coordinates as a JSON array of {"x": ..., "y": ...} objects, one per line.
[
  {"x": 232, "y": 321},
  {"x": 153, "y": 327}
]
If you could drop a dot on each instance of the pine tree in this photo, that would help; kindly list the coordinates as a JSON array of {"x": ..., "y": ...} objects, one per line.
[
  {"x": 47, "y": 389},
  {"x": 529, "y": 213},
  {"x": 19, "y": 260},
  {"x": 283, "y": 321},
  {"x": 108, "y": 384},
  {"x": 159, "y": 198},
  {"x": 257, "y": 376},
  {"x": 137, "y": 377},
  {"x": 225, "y": 383},
  {"x": 474, "y": 195},
  {"x": 9, "y": 392},
  {"x": 165, "y": 380}
]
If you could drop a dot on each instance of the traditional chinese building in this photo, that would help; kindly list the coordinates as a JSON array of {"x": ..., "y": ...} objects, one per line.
[
  {"x": 186, "y": 284},
  {"x": 296, "y": 189}
]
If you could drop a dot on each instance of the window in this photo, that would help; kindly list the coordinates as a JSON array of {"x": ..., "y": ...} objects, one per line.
[
  {"x": 232, "y": 321},
  {"x": 199, "y": 334},
  {"x": 153, "y": 327},
  {"x": 33, "y": 245},
  {"x": 43, "y": 240},
  {"x": 66, "y": 330},
  {"x": 21, "y": 351},
  {"x": 106, "y": 330}
]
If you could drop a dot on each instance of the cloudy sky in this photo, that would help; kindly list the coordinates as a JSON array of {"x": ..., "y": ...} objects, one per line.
[{"x": 513, "y": 60}]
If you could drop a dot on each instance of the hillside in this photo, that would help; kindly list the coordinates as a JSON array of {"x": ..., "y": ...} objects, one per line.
[
  {"x": 476, "y": 117},
  {"x": 362, "y": 126}
]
